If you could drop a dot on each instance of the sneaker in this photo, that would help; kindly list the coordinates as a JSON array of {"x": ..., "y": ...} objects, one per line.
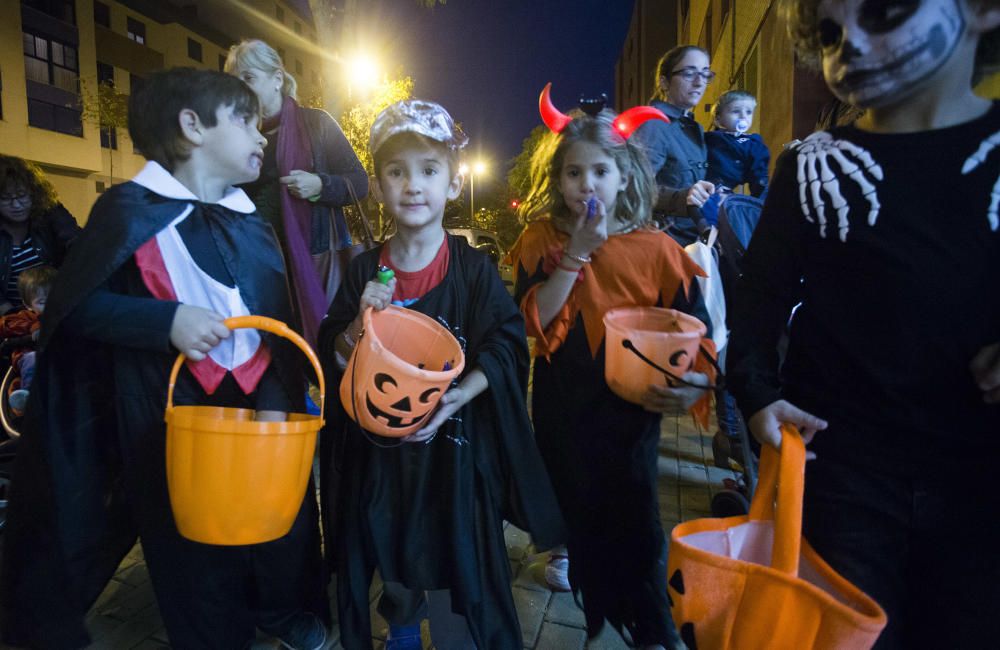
[
  {"x": 557, "y": 572},
  {"x": 17, "y": 400},
  {"x": 404, "y": 637},
  {"x": 305, "y": 632}
]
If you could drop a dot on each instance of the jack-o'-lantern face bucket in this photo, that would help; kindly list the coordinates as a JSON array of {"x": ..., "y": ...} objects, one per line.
[
  {"x": 636, "y": 336},
  {"x": 400, "y": 368}
]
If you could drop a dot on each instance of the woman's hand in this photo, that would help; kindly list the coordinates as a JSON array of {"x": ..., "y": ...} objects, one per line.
[
  {"x": 765, "y": 424},
  {"x": 195, "y": 331},
  {"x": 678, "y": 400},
  {"x": 985, "y": 369},
  {"x": 303, "y": 185},
  {"x": 699, "y": 193},
  {"x": 589, "y": 233}
]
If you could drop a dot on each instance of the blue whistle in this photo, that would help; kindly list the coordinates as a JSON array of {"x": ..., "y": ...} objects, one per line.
[{"x": 591, "y": 208}]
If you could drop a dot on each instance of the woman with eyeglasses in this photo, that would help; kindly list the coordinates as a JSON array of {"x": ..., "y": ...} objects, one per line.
[
  {"x": 677, "y": 150},
  {"x": 35, "y": 229}
]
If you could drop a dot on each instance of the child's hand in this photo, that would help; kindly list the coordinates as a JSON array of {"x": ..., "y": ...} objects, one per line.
[
  {"x": 377, "y": 295},
  {"x": 699, "y": 193},
  {"x": 765, "y": 424},
  {"x": 449, "y": 404},
  {"x": 590, "y": 228},
  {"x": 195, "y": 331},
  {"x": 302, "y": 184},
  {"x": 675, "y": 400},
  {"x": 985, "y": 369}
]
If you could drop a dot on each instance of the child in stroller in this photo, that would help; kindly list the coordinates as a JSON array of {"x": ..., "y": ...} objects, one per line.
[{"x": 19, "y": 331}]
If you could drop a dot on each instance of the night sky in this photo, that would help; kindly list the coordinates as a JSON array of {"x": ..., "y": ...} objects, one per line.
[{"x": 487, "y": 60}]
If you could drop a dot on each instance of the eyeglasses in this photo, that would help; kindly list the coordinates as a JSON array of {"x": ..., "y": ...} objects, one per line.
[
  {"x": 22, "y": 197},
  {"x": 688, "y": 74}
]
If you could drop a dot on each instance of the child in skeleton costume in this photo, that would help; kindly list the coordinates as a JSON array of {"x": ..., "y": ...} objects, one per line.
[
  {"x": 428, "y": 511},
  {"x": 886, "y": 231},
  {"x": 736, "y": 157},
  {"x": 163, "y": 259},
  {"x": 588, "y": 247}
]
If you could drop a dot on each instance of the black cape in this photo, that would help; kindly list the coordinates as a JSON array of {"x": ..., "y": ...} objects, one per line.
[
  {"x": 430, "y": 516},
  {"x": 69, "y": 521}
]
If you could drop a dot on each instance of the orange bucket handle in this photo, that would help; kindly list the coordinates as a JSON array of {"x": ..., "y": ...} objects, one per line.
[
  {"x": 779, "y": 495},
  {"x": 268, "y": 325}
]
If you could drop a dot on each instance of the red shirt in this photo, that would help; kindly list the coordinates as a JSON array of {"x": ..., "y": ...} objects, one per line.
[{"x": 411, "y": 286}]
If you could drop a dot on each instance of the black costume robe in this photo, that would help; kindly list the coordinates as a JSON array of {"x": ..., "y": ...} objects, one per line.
[
  {"x": 430, "y": 516},
  {"x": 90, "y": 472}
]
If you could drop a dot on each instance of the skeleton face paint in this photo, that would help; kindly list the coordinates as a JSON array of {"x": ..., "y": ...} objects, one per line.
[{"x": 875, "y": 52}]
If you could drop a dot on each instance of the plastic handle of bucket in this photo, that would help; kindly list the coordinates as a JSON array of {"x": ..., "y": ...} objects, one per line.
[
  {"x": 630, "y": 346},
  {"x": 268, "y": 325}
]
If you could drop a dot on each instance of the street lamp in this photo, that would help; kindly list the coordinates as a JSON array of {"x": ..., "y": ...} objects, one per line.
[
  {"x": 478, "y": 167},
  {"x": 362, "y": 73}
]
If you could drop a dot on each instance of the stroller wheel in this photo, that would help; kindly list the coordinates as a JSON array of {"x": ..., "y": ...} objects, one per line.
[{"x": 730, "y": 503}]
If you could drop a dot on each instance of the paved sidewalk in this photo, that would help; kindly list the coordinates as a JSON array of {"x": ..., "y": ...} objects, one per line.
[{"x": 126, "y": 615}]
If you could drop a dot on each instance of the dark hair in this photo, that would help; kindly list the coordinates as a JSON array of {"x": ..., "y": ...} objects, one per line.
[
  {"x": 34, "y": 282},
  {"x": 154, "y": 107},
  {"x": 408, "y": 139},
  {"x": 666, "y": 65},
  {"x": 18, "y": 171},
  {"x": 802, "y": 19}
]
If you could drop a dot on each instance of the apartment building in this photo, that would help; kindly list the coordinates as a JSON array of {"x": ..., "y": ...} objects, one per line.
[
  {"x": 652, "y": 31},
  {"x": 54, "y": 53}
]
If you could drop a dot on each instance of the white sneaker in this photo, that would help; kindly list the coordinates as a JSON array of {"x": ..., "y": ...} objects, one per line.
[{"x": 557, "y": 572}]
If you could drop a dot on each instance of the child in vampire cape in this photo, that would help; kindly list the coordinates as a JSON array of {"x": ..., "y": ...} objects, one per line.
[
  {"x": 163, "y": 260},
  {"x": 428, "y": 511},
  {"x": 887, "y": 233}
]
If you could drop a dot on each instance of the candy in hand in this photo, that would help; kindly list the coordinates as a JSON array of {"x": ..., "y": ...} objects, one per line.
[
  {"x": 384, "y": 274},
  {"x": 591, "y": 207}
]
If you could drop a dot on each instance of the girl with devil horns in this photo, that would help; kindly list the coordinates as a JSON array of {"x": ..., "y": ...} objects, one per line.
[
  {"x": 588, "y": 247},
  {"x": 879, "y": 229}
]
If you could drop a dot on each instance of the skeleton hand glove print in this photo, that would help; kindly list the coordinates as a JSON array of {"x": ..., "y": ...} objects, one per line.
[
  {"x": 977, "y": 159},
  {"x": 876, "y": 52},
  {"x": 816, "y": 176}
]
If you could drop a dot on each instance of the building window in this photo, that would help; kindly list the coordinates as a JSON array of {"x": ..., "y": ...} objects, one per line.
[
  {"x": 222, "y": 63},
  {"x": 50, "y": 62},
  {"x": 194, "y": 49},
  {"x": 136, "y": 30},
  {"x": 298, "y": 27},
  {"x": 64, "y": 10},
  {"x": 102, "y": 14},
  {"x": 279, "y": 13},
  {"x": 105, "y": 73},
  {"x": 298, "y": 67}
]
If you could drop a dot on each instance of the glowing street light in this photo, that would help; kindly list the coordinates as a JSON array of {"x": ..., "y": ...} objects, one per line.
[
  {"x": 362, "y": 73},
  {"x": 478, "y": 167}
]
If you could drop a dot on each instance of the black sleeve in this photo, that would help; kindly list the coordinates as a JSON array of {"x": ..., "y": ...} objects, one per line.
[
  {"x": 343, "y": 166},
  {"x": 344, "y": 307},
  {"x": 760, "y": 161},
  {"x": 64, "y": 229},
  {"x": 769, "y": 287},
  {"x": 128, "y": 321}
]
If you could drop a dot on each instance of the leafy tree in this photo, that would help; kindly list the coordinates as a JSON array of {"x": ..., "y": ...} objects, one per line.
[
  {"x": 107, "y": 109},
  {"x": 356, "y": 122},
  {"x": 519, "y": 176}
]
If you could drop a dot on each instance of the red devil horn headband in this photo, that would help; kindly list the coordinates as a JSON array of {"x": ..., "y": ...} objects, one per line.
[{"x": 625, "y": 124}]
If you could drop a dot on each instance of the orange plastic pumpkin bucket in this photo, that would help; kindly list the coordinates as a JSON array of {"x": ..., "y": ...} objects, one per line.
[
  {"x": 667, "y": 337},
  {"x": 233, "y": 480},
  {"x": 402, "y": 364}
]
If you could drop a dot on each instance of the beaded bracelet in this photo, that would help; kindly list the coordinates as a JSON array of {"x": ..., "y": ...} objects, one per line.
[
  {"x": 576, "y": 258},
  {"x": 559, "y": 265}
]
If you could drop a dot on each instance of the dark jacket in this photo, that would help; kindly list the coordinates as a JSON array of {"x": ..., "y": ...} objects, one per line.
[
  {"x": 679, "y": 158},
  {"x": 51, "y": 232}
]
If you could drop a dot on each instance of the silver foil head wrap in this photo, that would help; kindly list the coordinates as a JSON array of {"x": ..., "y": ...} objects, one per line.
[{"x": 416, "y": 116}]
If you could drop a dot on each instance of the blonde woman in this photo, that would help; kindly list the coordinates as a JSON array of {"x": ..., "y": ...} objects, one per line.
[{"x": 309, "y": 167}]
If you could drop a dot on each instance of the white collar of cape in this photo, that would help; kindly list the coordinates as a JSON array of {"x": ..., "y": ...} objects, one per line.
[{"x": 157, "y": 179}]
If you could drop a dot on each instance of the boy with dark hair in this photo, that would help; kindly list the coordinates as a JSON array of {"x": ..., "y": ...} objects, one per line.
[
  {"x": 164, "y": 259},
  {"x": 886, "y": 231}
]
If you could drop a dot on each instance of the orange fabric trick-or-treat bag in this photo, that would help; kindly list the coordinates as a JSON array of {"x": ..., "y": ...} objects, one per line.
[{"x": 749, "y": 582}]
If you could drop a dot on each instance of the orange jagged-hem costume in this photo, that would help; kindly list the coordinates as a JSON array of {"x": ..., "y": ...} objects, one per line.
[{"x": 600, "y": 450}]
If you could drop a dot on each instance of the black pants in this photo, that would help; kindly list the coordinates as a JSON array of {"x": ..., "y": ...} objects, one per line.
[{"x": 918, "y": 546}]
